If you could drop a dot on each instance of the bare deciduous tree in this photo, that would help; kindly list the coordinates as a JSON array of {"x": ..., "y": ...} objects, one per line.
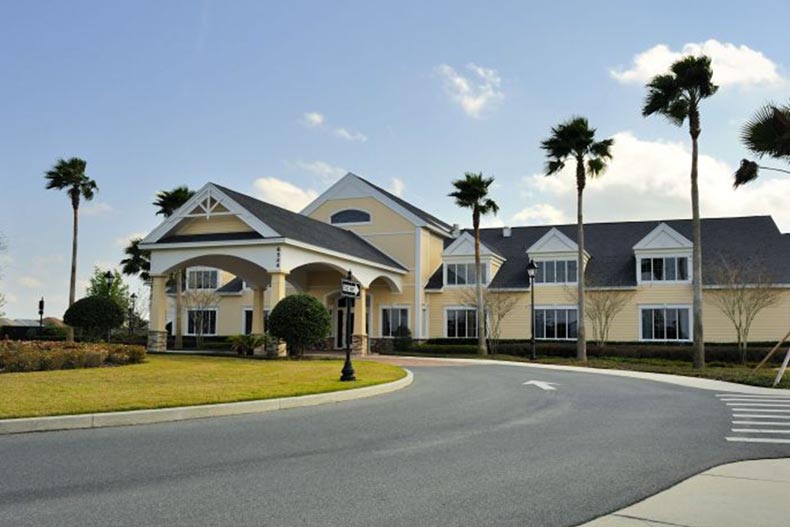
[
  {"x": 746, "y": 289},
  {"x": 199, "y": 303},
  {"x": 496, "y": 304},
  {"x": 601, "y": 306}
]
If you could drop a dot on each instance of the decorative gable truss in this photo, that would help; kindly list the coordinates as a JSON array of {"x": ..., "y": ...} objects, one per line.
[
  {"x": 667, "y": 248},
  {"x": 554, "y": 245},
  {"x": 211, "y": 204},
  {"x": 462, "y": 250}
]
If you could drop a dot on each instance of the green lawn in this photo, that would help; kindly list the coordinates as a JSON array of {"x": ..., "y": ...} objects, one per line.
[{"x": 166, "y": 381}]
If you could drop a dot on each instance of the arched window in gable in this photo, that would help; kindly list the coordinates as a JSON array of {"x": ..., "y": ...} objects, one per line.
[{"x": 349, "y": 216}]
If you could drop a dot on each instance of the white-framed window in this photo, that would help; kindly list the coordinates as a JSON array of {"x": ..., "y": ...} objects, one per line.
[
  {"x": 350, "y": 217},
  {"x": 393, "y": 317},
  {"x": 556, "y": 272},
  {"x": 205, "y": 319},
  {"x": 460, "y": 322},
  {"x": 664, "y": 269},
  {"x": 465, "y": 273},
  {"x": 665, "y": 323},
  {"x": 202, "y": 279},
  {"x": 556, "y": 323}
]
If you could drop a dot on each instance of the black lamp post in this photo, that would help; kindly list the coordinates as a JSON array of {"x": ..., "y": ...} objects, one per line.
[
  {"x": 108, "y": 278},
  {"x": 41, "y": 314},
  {"x": 347, "y": 373},
  {"x": 532, "y": 269},
  {"x": 133, "y": 298}
]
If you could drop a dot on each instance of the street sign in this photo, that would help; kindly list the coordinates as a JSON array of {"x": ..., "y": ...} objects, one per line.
[{"x": 349, "y": 288}]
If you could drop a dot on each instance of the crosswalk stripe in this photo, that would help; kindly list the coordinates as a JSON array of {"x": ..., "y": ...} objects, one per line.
[
  {"x": 769, "y": 423},
  {"x": 752, "y": 409},
  {"x": 752, "y": 396},
  {"x": 757, "y": 440},
  {"x": 771, "y": 405},
  {"x": 759, "y": 431},
  {"x": 762, "y": 416},
  {"x": 741, "y": 400}
]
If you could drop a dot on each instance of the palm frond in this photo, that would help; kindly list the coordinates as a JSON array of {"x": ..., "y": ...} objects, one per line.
[
  {"x": 748, "y": 171},
  {"x": 767, "y": 132},
  {"x": 596, "y": 166}
]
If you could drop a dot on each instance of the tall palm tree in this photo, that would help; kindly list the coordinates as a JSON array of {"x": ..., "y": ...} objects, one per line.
[
  {"x": 471, "y": 192},
  {"x": 70, "y": 176},
  {"x": 677, "y": 96},
  {"x": 137, "y": 261},
  {"x": 167, "y": 203},
  {"x": 767, "y": 133},
  {"x": 574, "y": 140}
]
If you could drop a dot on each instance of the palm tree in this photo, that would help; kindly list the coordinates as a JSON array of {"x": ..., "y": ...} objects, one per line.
[
  {"x": 575, "y": 140},
  {"x": 168, "y": 202},
  {"x": 471, "y": 192},
  {"x": 70, "y": 176},
  {"x": 767, "y": 133},
  {"x": 137, "y": 261},
  {"x": 677, "y": 96}
]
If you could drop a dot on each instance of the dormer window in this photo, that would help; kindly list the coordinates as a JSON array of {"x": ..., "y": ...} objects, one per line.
[
  {"x": 350, "y": 217},
  {"x": 202, "y": 279},
  {"x": 557, "y": 272},
  {"x": 664, "y": 269},
  {"x": 464, "y": 273}
]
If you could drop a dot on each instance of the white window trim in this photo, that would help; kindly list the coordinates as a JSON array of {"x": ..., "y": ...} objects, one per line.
[
  {"x": 555, "y": 284},
  {"x": 409, "y": 324},
  {"x": 350, "y": 223},
  {"x": 556, "y": 307},
  {"x": 456, "y": 308},
  {"x": 196, "y": 269},
  {"x": 639, "y": 281},
  {"x": 244, "y": 310},
  {"x": 486, "y": 268},
  {"x": 216, "y": 321},
  {"x": 640, "y": 307}
]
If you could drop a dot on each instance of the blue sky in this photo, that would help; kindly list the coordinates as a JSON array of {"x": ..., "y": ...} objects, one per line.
[{"x": 407, "y": 94}]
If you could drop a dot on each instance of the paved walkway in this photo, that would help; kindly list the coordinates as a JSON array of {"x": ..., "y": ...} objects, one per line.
[{"x": 748, "y": 493}]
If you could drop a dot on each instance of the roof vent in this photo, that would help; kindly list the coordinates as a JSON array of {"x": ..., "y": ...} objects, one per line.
[
  {"x": 506, "y": 232},
  {"x": 456, "y": 230}
]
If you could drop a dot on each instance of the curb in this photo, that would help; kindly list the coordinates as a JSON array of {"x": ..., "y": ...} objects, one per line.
[
  {"x": 679, "y": 380},
  {"x": 181, "y": 413}
]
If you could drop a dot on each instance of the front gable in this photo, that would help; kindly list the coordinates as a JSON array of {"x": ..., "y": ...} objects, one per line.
[
  {"x": 663, "y": 238},
  {"x": 464, "y": 246},
  {"x": 554, "y": 244},
  {"x": 210, "y": 211}
]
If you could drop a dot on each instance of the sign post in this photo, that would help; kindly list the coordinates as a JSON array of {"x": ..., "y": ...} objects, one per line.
[{"x": 350, "y": 290}]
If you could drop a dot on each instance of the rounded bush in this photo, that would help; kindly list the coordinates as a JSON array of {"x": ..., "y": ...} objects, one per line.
[
  {"x": 301, "y": 321},
  {"x": 95, "y": 315}
]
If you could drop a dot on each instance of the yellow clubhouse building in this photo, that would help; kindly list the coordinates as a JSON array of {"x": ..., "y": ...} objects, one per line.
[{"x": 243, "y": 255}]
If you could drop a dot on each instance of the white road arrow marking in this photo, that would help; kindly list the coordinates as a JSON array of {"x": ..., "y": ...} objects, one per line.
[{"x": 542, "y": 385}]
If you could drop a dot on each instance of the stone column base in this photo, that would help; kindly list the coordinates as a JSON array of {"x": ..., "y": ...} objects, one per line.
[
  {"x": 359, "y": 345},
  {"x": 157, "y": 341}
]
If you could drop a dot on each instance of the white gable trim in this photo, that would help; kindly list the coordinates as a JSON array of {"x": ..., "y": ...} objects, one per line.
[
  {"x": 352, "y": 186},
  {"x": 661, "y": 238},
  {"x": 553, "y": 242},
  {"x": 210, "y": 191},
  {"x": 464, "y": 245}
]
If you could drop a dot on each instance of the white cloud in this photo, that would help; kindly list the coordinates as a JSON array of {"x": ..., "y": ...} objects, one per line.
[
  {"x": 123, "y": 241},
  {"x": 95, "y": 208},
  {"x": 30, "y": 282},
  {"x": 732, "y": 65},
  {"x": 397, "y": 186},
  {"x": 476, "y": 92},
  {"x": 540, "y": 214},
  {"x": 284, "y": 194},
  {"x": 348, "y": 135},
  {"x": 650, "y": 180},
  {"x": 328, "y": 173},
  {"x": 312, "y": 119},
  {"x": 490, "y": 222}
]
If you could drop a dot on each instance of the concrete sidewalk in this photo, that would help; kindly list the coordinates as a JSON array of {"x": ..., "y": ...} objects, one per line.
[{"x": 748, "y": 493}]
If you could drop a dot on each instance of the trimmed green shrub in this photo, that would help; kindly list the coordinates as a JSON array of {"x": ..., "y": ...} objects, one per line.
[
  {"x": 18, "y": 356},
  {"x": 301, "y": 321},
  {"x": 95, "y": 315},
  {"x": 402, "y": 339}
]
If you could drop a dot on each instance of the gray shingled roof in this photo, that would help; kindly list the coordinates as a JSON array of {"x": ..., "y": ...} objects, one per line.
[
  {"x": 234, "y": 286},
  {"x": 610, "y": 246},
  {"x": 429, "y": 218},
  {"x": 307, "y": 230}
]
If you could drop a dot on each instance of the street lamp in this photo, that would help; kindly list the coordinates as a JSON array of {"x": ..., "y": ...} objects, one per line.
[
  {"x": 133, "y": 298},
  {"x": 532, "y": 269},
  {"x": 108, "y": 278},
  {"x": 41, "y": 314}
]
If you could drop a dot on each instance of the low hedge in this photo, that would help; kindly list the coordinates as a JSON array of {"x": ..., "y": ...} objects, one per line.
[
  {"x": 33, "y": 332},
  {"x": 669, "y": 351},
  {"x": 17, "y": 356}
]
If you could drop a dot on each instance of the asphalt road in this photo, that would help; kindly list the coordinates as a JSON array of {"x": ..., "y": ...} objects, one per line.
[{"x": 464, "y": 445}]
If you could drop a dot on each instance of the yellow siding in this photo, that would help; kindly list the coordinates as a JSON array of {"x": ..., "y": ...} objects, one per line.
[{"x": 212, "y": 225}]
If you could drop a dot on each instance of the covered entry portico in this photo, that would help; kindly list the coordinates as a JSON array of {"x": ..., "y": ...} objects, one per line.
[{"x": 271, "y": 249}]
